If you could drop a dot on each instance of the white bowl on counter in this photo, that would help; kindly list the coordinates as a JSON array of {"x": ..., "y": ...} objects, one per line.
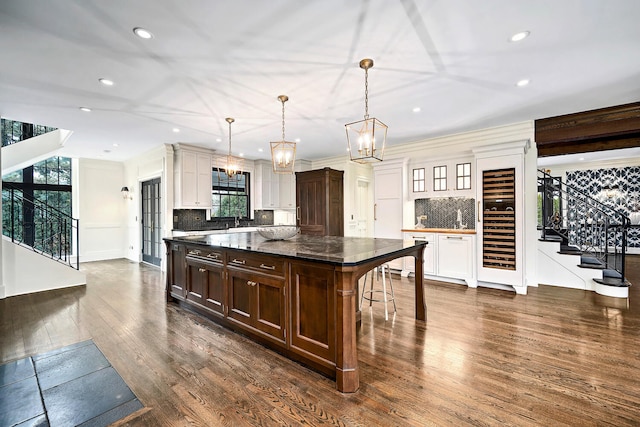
[{"x": 278, "y": 232}]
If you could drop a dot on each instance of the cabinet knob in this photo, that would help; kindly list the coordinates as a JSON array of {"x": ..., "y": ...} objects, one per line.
[
  {"x": 202, "y": 270},
  {"x": 251, "y": 283}
]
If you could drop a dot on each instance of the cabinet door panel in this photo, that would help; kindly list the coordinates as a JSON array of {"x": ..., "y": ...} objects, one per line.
[
  {"x": 313, "y": 310},
  {"x": 203, "y": 181},
  {"x": 455, "y": 256},
  {"x": 178, "y": 270},
  {"x": 270, "y": 306},
  {"x": 214, "y": 297},
  {"x": 196, "y": 278},
  {"x": 311, "y": 205},
  {"x": 240, "y": 290}
]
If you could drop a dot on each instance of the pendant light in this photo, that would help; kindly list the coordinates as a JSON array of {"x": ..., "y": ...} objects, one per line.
[
  {"x": 232, "y": 165},
  {"x": 366, "y": 138},
  {"x": 283, "y": 153}
]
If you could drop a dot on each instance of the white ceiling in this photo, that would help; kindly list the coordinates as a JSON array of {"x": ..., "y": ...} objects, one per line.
[{"x": 213, "y": 59}]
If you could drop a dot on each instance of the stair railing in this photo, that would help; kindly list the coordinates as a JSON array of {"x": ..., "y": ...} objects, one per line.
[
  {"x": 595, "y": 228},
  {"x": 50, "y": 232}
]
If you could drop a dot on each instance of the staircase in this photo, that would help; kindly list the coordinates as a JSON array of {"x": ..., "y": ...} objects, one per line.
[
  {"x": 38, "y": 226},
  {"x": 584, "y": 239},
  {"x": 38, "y": 240}
]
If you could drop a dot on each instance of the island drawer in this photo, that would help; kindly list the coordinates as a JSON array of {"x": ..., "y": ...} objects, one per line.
[
  {"x": 205, "y": 254},
  {"x": 263, "y": 263}
]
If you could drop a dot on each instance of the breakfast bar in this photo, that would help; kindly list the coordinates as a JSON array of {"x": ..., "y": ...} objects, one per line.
[{"x": 297, "y": 296}]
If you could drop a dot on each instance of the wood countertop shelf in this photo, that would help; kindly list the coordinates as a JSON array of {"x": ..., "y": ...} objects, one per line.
[{"x": 439, "y": 230}]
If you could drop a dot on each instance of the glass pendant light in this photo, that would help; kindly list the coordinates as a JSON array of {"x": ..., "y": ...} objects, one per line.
[
  {"x": 283, "y": 153},
  {"x": 233, "y": 165},
  {"x": 366, "y": 138}
]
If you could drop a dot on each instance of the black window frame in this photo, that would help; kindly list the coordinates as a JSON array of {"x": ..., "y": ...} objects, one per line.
[{"x": 233, "y": 187}]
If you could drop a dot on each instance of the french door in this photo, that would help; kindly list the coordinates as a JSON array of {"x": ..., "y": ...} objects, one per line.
[{"x": 151, "y": 223}]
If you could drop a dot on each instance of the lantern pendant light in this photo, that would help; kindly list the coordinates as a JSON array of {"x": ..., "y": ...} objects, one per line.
[
  {"x": 232, "y": 165},
  {"x": 283, "y": 153},
  {"x": 366, "y": 139}
]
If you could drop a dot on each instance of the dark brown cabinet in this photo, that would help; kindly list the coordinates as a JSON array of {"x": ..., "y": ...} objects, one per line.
[
  {"x": 320, "y": 202},
  {"x": 313, "y": 306},
  {"x": 258, "y": 301},
  {"x": 176, "y": 271},
  {"x": 205, "y": 280}
]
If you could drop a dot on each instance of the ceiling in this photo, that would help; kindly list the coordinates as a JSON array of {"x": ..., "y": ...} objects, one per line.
[{"x": 214, "y": 59}]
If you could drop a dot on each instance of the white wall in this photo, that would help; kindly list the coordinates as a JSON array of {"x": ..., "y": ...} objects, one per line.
[
  {"x": 25, "y": 271},
  {"x": 157, "y": 163},
  {"x": 101, "y": 210}
]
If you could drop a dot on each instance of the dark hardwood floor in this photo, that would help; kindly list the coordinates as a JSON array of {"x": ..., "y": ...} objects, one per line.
[{"x": 485, "y": 357}]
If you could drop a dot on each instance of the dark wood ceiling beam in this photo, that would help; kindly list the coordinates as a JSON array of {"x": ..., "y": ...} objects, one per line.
[{"x": 596, "y": 130}]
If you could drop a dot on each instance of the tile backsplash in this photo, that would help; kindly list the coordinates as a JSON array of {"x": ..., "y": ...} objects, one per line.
[
  {"x": 196, "y": 220},
  {"x": 442, "y": 212}
]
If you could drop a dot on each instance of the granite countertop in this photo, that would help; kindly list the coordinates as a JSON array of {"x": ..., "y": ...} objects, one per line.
[
  {"x": 440, "y": 230},
  {"x": 329, "y": 249}
]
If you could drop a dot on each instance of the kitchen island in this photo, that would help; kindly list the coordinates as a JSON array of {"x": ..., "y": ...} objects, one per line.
[{"x": 297, "y": 296}]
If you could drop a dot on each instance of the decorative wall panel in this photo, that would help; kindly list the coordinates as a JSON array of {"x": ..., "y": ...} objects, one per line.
[{"x": 618, "y": 188}]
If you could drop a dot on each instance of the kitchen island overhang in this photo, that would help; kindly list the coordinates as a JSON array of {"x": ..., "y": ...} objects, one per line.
[{"x": 298, "y": 296}]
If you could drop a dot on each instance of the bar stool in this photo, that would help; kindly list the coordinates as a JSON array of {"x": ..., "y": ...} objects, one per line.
[{"x": 386, "y": 295}]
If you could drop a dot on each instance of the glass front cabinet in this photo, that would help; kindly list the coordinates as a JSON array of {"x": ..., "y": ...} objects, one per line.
[{"x": 500, "y": 220}]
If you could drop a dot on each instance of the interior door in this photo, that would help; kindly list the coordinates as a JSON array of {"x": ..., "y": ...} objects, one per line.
[
  {"x": 362, "y": 200},
  {"x": 151, "y": 224}
]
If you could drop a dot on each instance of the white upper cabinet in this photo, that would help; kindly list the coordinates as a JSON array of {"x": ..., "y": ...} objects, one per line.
[
  {"x": 447, "y": 177},
  {"x": 287, "y": 191},
  {"x": 192, "y": 178},
  {"x": 276, "y": 190}
]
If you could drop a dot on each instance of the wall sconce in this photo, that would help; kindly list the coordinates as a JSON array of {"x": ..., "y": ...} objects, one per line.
[{"x": 125, "y": 193}]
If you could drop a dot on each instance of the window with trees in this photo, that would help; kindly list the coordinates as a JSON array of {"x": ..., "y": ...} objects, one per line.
[
  {"x": 230, "y": 195},
  {"x": 37, "y": 199}
]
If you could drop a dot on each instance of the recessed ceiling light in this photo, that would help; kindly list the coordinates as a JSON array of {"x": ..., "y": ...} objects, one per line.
[
  {"x": 218, "y": 140},
  {"x": 85, "y": 109},
  {"x": 260, "y": 150},
  {"x": 581, "y": 159},
  {"x": 523, "y": 82},
  {"x": 116, "y": 145},
  {"x": 176, "y": 130},
  {"x": 416, "y": 109},
  {"x": 520, "y": 36},
  {"x": 241, "y": 154},
  {"x": 106, "y": 82},
  {"x": 142, "y": 33},
  {"x": 297, "y": 139}
]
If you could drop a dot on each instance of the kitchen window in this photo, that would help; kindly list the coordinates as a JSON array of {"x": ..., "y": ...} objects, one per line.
[
  {"x": 440, "y": 178},
  {"x": 463, "y": 176},
  {"x": 230, "y": 196},
  {"x": 418, "y": 180}
]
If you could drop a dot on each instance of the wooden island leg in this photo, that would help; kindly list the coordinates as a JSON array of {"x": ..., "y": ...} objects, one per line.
[
  {"x": 347, "y": 373},
  {"x": 421, "y": 306}
]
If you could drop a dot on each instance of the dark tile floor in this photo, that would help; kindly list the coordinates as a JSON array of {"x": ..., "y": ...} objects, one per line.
[{"x": 71, "y": 386}]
